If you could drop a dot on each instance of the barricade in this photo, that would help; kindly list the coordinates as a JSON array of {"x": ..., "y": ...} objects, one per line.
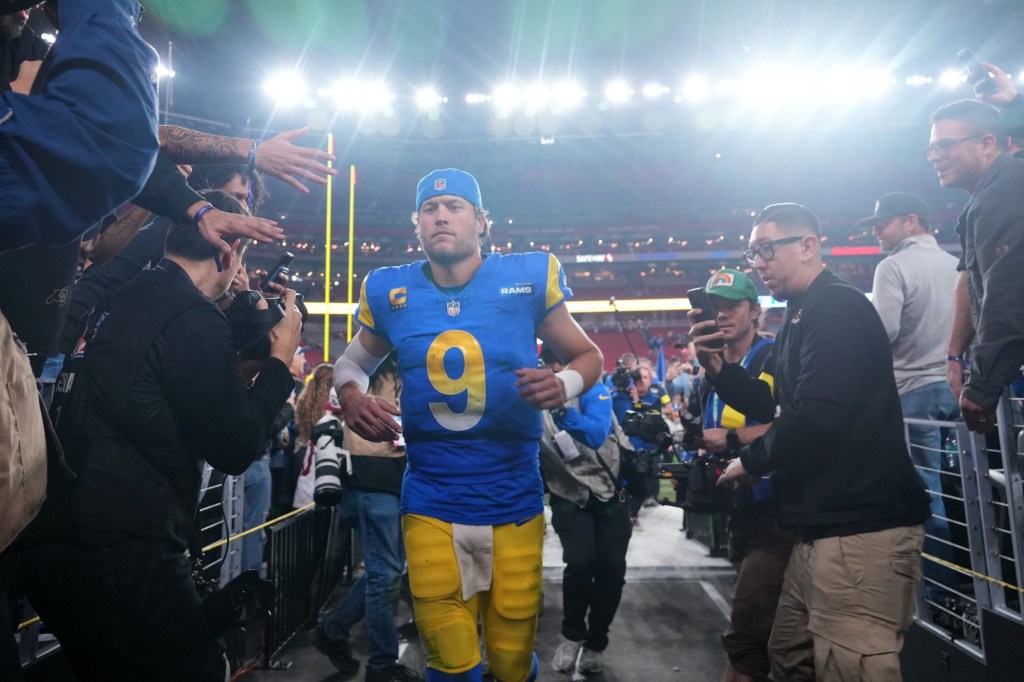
[{"x": 984, "y": 509}]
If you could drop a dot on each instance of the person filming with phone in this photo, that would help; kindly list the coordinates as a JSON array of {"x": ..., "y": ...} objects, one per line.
[{"x": 735, "y": 402}]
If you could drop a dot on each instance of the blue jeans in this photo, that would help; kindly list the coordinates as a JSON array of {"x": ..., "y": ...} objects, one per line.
[
  {"x": 932, "y": 401},
  {"x": 256, "y": 506},
  {"x": 375, "y": 594}
]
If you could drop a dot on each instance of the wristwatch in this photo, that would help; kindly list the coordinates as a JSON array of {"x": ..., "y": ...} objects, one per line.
[{"x": 732, "y": 439}]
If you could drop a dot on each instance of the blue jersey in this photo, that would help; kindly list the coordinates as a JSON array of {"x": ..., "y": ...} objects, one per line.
[{"x": 471, "y": 441}]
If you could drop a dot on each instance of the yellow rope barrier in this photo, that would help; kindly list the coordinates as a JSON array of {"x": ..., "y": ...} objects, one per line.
[
  {"x": 973, "y": 574},
  {"x": 271, "y": 522}
]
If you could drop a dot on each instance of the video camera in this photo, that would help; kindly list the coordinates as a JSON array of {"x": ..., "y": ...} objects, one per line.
[
  {"x": 243, "y": 600},
  {"x": 623, "y": 378},
  {"x": 250, "y": 325},
  {"x": 698, "y": 488}
]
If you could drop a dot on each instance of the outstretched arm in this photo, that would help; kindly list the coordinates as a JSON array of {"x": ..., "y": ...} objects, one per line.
[{"x": 278, "y": 156}]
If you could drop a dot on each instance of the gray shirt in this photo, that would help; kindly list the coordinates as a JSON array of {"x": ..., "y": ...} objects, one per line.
[{"x": 913, "y": 293}]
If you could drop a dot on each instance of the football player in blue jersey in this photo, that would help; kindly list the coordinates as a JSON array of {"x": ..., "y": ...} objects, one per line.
[{"x": 465, "y": 327}]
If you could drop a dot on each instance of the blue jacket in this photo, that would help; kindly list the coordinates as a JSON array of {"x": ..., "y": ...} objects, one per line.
[
  {"x": 592, "y": 423},
  {"x": 85, "y": 141}
]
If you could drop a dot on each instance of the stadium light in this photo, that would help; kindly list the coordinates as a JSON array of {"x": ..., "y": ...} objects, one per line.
[
  {"x": 618, "y": 91},
  {"x": 476, "y": 98},
  {"x": 428, "y": 98},
  {"x": 567, "y": 95},
  {"x": 918, "y": 80},
  {"x": 652, "y": 90},
  {"x": 953, "y": 78},
  {"x": 163, "y": 72},
  {"x": 506, "y": 97},
  {"x": 536, "y": 96},
  {"x": 286, "y": 87},
  {"x": 362, "y": 96},
  {"x": 696, "y": 89}
]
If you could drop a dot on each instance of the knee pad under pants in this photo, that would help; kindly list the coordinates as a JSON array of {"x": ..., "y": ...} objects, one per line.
[{"x": 448, "y": 624}]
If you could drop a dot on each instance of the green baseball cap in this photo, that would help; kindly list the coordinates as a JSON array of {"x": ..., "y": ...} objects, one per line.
[{"x": 731, "y": 284}]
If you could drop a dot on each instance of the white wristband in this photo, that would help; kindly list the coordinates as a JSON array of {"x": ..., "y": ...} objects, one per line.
[{"x": 572, "y": 381}]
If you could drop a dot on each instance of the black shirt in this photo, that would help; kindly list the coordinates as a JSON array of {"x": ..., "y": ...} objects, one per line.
[
  {"x": 164, "y": 393},
  {"x": 837, "y": 450}
]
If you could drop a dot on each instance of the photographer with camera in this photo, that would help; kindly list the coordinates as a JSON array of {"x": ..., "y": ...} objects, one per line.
[
  {"x": 634, "y": 390},
  {"x": 152, "y": 389},
  {"x": 734, "y": 403},
  {"x": 579, "y": 458}
]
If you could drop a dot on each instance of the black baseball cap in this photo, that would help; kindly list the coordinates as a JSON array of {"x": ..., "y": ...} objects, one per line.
[
  {"x": 12, "y": 6},
  {"x": 894, "y": 204}
]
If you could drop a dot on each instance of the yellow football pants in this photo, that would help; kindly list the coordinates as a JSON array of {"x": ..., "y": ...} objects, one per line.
[{"x": 448, "y": 624}]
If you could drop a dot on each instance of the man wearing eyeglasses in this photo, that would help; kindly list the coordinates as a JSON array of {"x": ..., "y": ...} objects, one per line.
[
  {"x": 968, "y": 151},
  {"x": 841, "y": 474}
]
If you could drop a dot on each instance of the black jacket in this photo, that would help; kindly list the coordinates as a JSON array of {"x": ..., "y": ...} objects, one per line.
[
  {"x": 837, "y": 451},
  {"x": 157, "y": 393}
]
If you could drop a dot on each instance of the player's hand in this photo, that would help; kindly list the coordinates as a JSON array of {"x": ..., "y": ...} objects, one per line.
[
  {"x": 714, "y": 440},
  {"x": 280, "y": 157},
  {"x": 540, "y": 388},
  {"x": 215, "y": 225},
  {"x": 1004, "y": 90},
  {"x": 368, "y": 415},
  {"x": 977, "y": 418},
  {"x": 955, "y": 378},
  {"x": 286, "y": 335},
  {"x": 734, "y": 475}
]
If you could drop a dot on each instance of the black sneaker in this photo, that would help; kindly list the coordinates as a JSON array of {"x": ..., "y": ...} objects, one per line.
[
  {"x": 396, "y": 673},
  {"x": 338, "y": 652}
]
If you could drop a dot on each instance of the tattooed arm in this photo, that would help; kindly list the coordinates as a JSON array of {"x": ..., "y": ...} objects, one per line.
[
  {"x": 111, "y": 240},
  {"x": 277, "y": 156}
]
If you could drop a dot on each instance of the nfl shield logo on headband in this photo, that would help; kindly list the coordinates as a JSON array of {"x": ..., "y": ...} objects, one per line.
[{"x": 440, "y": 183}]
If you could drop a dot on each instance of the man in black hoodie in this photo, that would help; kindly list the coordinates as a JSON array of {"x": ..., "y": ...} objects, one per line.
[{"x": 841, "y": 473}]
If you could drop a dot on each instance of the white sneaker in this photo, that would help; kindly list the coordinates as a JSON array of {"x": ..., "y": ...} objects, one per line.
[
  {"x": 564, "y": 660},
  {"x": 590, "y": 663}
]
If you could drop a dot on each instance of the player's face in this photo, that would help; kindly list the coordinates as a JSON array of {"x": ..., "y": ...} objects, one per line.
[{"x": 449, "y": 229}]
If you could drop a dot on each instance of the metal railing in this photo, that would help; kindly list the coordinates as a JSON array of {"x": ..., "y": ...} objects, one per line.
[
  {"x": 974, "y": 572},
  {"x": 299, "y": 566}
]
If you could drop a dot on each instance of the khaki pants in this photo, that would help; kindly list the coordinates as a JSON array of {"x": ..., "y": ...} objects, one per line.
[{"x": 845, "y": 604}]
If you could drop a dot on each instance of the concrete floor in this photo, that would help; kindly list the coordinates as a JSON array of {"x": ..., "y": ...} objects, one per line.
[{"x": 674, "y": 608}]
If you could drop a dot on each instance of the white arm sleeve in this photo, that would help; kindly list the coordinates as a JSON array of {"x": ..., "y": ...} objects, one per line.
[{"x": 355, "y": 364}]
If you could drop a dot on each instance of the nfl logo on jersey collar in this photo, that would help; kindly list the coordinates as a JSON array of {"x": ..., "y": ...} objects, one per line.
[{"x": 454, "y": 308}]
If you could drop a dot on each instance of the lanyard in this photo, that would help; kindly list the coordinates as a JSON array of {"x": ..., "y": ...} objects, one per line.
[{"x": 714, "y": 407}]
